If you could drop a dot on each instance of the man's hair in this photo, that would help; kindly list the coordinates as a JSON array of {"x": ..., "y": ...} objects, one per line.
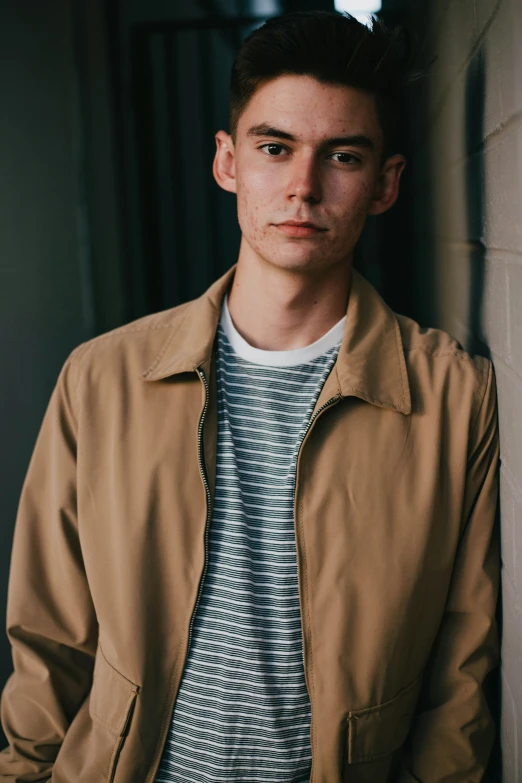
[{"x": 333, "y": 48}]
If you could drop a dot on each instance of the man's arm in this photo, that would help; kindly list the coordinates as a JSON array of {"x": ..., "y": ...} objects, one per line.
[
  {"x": 452, "y": 731},
  {"x": 51, "y": 621}
]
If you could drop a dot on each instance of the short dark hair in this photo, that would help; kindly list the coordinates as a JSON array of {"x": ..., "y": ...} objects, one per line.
[{"x": 332, "y": 47}]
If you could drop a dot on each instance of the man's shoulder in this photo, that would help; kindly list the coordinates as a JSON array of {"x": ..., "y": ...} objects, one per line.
[
  {"x": 434, "y": 342},
  {"x": 439, "y": 362},
  {"x": 137, "y": 342}
]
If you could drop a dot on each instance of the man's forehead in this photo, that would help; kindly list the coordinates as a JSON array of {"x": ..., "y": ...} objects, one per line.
[{"x": 306, "y": 109}]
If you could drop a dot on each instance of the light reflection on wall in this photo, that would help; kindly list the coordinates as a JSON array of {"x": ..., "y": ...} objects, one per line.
[{"x": 361, "y": 9}]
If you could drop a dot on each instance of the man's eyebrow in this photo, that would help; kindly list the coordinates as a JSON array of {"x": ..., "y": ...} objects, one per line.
[
  {"x": 355, "y": 140},
  {"x": 268, "y": 130}
]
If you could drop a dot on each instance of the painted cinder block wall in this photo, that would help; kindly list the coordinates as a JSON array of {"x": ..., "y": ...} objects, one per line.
[{"x": 464, "y": 239}]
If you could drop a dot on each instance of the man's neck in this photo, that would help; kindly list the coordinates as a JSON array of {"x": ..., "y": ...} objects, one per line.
[{"x": 278, "y": 309}]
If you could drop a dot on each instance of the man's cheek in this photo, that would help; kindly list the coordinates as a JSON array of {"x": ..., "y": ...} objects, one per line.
[{"x": 250, "y": 217}]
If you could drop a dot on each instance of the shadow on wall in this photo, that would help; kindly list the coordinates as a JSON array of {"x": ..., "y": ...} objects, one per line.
[
  {"x": 419, "y": 226},
  {"x": 475, "y": 216},
  {"x": 474, "y": 152}
]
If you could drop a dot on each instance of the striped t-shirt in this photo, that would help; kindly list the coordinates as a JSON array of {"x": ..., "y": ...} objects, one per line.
[{"x": 242, "y": 714}]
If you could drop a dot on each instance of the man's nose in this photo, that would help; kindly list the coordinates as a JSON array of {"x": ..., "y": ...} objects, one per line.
[{"x": 304, "y": 182}]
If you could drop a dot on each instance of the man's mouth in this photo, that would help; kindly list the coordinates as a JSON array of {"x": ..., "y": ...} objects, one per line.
[{"x": 299, "y": 228}]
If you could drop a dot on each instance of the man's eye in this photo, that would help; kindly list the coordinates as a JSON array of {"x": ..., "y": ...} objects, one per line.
[
  {"x": 272, "y": 149},
  {"x": 345, "y": 157}
]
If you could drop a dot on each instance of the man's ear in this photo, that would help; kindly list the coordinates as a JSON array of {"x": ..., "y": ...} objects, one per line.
[
  {"x": 224, "y": 167},
  {"x": 387, "y": 190}
]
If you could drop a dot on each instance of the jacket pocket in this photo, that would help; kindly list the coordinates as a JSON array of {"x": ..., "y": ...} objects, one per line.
[
  {"x": 379, "y": 731},
  {"x": 111, "y": 704}
]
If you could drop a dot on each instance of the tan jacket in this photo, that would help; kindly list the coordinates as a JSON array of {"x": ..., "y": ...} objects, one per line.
[{"x": 395, "y": 503}]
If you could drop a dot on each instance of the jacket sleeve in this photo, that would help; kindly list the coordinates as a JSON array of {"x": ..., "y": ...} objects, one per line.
[
  {"x": 51, "y": 621},
  {"x": 452, "y": 732}
]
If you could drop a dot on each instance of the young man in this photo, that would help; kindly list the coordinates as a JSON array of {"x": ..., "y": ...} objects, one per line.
[{"x": 255, "y": 539}]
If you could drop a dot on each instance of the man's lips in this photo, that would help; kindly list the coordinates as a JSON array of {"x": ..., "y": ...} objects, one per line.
[{"x": 299, "y": 228}]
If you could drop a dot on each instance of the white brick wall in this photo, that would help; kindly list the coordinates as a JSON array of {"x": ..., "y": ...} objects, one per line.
[{"x": 467, "y": 160}]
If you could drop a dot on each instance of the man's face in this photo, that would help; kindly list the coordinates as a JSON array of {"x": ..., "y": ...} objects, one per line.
[{"x": 306, "y": 152}]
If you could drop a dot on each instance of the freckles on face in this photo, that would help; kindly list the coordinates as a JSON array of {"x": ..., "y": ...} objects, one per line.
[
  {"x": 259, "y": 208},
  {"x": 307, "y": 180},
  {"x": 253, "y": 209}
]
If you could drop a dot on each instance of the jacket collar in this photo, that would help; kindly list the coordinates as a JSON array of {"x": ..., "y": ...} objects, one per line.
[{"x": 370, "y": 364}]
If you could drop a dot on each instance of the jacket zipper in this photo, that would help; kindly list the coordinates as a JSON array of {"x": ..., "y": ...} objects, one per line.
[
  {"x": 327, "y": 404},
  {"x": 203, "y": 472}
]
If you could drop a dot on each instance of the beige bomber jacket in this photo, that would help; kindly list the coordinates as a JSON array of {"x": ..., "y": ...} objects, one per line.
[{"x": 395, "y": 499}]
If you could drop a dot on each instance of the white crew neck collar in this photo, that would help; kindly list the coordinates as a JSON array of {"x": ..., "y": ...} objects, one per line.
[{"x": 279, "y": 358}]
